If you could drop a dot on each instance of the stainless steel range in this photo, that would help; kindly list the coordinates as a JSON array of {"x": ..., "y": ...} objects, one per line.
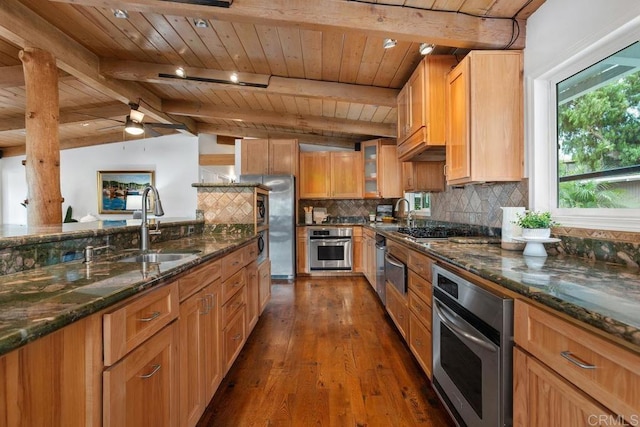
[
  {"x": 330, "y": 248},
  {"x": 427, "y": 234}
]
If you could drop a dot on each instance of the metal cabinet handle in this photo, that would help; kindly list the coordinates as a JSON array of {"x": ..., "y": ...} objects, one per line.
[
  {"x": 205, "y": 306},
  {"x": 156, "y": 368},
  {"x": 236, "y": 337},
  {"x": 153, "y": 316},
  {"x": 569, "y": 356}
]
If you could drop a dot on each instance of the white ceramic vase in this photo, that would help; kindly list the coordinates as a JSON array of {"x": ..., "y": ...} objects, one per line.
[{"x": 536, "y": 233}]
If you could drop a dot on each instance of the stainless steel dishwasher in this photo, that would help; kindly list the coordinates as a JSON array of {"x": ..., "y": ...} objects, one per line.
[{"x": 381, "y": 247}]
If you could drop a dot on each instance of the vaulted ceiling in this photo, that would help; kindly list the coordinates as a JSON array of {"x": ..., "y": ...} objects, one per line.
[{"x": 315, "y": 70}]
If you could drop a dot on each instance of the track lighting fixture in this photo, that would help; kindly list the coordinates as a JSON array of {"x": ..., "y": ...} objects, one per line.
[
  {"x": 426, "y": 48},
  {"x": 389, "y": 43},
  {"x": 132, "y": 127},
  {"x": 234, "y": 77},
  {"x": 180, "y": 72},
  {"x": 200, "y": 23}
]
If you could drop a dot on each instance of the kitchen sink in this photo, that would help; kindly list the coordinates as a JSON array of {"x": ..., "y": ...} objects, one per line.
[{"x": 159, "y": 256}]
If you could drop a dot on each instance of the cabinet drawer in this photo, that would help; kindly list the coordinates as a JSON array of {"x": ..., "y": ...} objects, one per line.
[
  {"x": 421, "y": 264},
  {"x": 132, "y": 324},
  {"x": 232, "y": 285},
  {"x": 232, "y": 263},
  {"x": 233, "y": 338},
  {"x": 236, "y": 302},
  {"x": 420, "y": 308},
  {"x": 398, "y": 310},
  {"x": 198, "y": 278},
  {"x": 611, "y": 374},
  {"x": 398, "y": 251},
  {"x": 250, "y": 252},
  {"x": 420, "y": 343},
  {"x": 420, "y": 286}
]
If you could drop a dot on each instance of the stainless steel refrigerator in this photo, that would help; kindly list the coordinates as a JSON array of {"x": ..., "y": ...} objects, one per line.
[{"x": 282, "y": 222}]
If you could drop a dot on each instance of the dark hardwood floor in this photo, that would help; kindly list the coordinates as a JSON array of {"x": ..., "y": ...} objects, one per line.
[{"x": 325, "y": 354}]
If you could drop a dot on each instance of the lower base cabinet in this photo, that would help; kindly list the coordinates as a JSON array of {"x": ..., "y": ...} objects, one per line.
[
  {"x": 398, "y": 310},
  {"x": 142, "y": 388},
  {"x": 264, "y": 284},
  {"x": 233, "y": 337}
]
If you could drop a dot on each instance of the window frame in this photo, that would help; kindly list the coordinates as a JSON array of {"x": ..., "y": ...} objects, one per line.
[{"x": 542, "y": 133}]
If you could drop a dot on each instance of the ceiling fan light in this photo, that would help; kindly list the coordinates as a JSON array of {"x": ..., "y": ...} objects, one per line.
[
  {"x": 120, "y": 13},
  {"x": 136, "y": 116},
  {"x": 234, "y": 77},
  {"x": 132, "y": 127},
  {"x": 426, "y": 48},
  {"x": 389, "y": 43}
]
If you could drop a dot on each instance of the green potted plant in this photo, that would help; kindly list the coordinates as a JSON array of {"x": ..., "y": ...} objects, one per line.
[{"x": 536, "y": 224}]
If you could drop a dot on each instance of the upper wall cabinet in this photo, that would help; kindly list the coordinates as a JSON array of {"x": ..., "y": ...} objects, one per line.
[
  {"x": 421, "y": 108},
  {"x": 269, "y": 157},
  {"x": 382, "y": 171},
  {"x": 485, "y": 118},
  {"x": 336, "y": 175}
]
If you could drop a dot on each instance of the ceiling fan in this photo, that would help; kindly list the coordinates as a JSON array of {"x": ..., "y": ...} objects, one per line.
[{"x": 133, "y": 123}]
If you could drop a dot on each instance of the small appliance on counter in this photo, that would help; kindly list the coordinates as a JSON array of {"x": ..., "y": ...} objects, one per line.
[
  {"x": 319, "y": 215},
  {"x": 383, "y": 211}
]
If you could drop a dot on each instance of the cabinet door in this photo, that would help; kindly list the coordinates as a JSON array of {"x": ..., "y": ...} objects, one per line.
[
  {"x": 254, "y": 154},
  {"x": 193, "y": 313},
  {"x": 302, "y": 264},
  {"x": 370, "y": 157},
  {"x": 346, "y": 175},
  {"x": 398, "y": 310},
  {"x": 264, "y": 279},
  {"x": 142, "y": 389},
  {"x": 403, "y": 110},
  {"x": 315, "y": 175},
  {"x": 458, "y": 144},
  {"x": 253, "y": 297},
  {"x": 212, "y": 333},
  {"x": 541, "y": 398},
  {"x": 416, "y": 99},
  {"x": 357, "y": 250},
  {"x": 390, "y": 173},
  {"x": 283, "y": 156},
  {"x": 420, "y": 343}
]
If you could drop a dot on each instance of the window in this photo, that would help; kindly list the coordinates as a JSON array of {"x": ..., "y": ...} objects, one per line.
[
  {"x": 420, "y": 203},
  {"x": 598, "y": 134}
]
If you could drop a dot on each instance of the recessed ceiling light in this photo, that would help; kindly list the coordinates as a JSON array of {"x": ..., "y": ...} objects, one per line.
[
  {"x": 120, "y": 13},
  {"x": 389, "y": 43},
  {"x": 200, "y": 23},
  {"x": 234, "y": 77},
  {"x": 180, "y": 72},
  {"x": 426, "y": 48}
]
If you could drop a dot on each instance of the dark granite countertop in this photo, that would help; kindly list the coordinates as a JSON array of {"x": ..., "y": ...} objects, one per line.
[
  {"x": 37, "y": 302},
  {"x": 605, "y": 296}
]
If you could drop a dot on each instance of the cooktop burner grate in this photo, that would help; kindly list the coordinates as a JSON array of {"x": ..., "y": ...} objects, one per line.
[{"x": 435, "y": 232}]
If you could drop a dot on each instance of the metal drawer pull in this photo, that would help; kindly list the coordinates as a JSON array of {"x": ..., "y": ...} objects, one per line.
[
  {"x": 153, "y": 316},
  {"x": 156, "y": 368},
  {"x": 569, "y": 356}
]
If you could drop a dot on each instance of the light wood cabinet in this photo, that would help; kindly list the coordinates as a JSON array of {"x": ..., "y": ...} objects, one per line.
[
  {"x": 543, "y": 398},
  {"x": 421, "y": 108},
  {"x": 142, "y": 388},
  {"x": 398, "y": 310},
  {"x": 608, "y": 373},
  {"x": 302, "y": 259},
  {"x": 253, "y": 295},
  {"x": 264, "y": 283},
  {"x": 269, "y": 157},
  {"x": 485, "y": 118},
  {"x": 423, "y": 176},
  {"x": 381, "y": 168},
  {"x": 200, "y": 354},
  {"x": 55, "y": 380},
  {"x": 336, "y": 175},
  {"x": 357, "y": 250},
  {"x": 369, "y": 256}
]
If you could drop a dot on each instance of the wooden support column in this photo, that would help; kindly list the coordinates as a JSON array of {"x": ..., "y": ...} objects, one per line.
[{"x": 42, "y": 140}]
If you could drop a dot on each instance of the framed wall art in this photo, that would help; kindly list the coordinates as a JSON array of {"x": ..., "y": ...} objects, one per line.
[{"x": 120, "y": 192}]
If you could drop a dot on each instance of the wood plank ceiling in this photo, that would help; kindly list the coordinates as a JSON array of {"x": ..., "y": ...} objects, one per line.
[{"x": 328, "y": 79}]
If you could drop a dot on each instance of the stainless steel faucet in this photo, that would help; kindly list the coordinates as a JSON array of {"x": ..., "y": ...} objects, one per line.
[
  {"x": 408, "y": 212},
  {"x": 158, "y": 211}
]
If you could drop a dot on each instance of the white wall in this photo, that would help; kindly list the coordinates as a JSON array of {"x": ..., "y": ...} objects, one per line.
[
  {"x": 563, "y": 37},
  {"x": 208, "y": 144},
  {"x": 174, "y": 159}
]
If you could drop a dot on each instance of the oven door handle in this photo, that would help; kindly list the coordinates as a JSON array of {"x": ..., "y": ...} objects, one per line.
[
  {"x": 446, "y": 320},
  {"x": 391, "y": 260},
  {"x": 331, "y": 241}
]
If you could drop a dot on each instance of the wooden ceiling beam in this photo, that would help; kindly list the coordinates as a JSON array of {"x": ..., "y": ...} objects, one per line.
[
  {"x": 196, "y": 109},
  {"x": 75, "y": 114},
  {"x": 25, "y": 28},
  {"x": 200, "y": 77},
  {"x": 401, "y": 23},
  {"x": 241, "y": 132}
]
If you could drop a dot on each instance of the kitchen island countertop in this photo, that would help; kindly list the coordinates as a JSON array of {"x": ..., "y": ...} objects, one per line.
[{"x": 603, "y": 295}]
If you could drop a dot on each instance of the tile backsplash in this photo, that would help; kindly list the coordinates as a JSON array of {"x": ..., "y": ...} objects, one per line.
[{"x": 343, "y": 208}]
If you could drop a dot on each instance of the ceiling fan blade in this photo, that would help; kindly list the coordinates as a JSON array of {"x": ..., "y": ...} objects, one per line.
[
  {"x": 179, "y": 126},
  {"x": 109, "y": 127},
  {"x": 151, "y": 131}
]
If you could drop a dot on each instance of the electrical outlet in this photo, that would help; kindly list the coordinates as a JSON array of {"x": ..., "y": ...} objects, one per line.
[{"x": 190, "y": 230}]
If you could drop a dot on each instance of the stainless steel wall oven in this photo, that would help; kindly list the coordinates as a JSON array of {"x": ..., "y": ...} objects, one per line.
[
  {"x": 330, "y": 248},
  {"x": 472, "y": 347}
]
